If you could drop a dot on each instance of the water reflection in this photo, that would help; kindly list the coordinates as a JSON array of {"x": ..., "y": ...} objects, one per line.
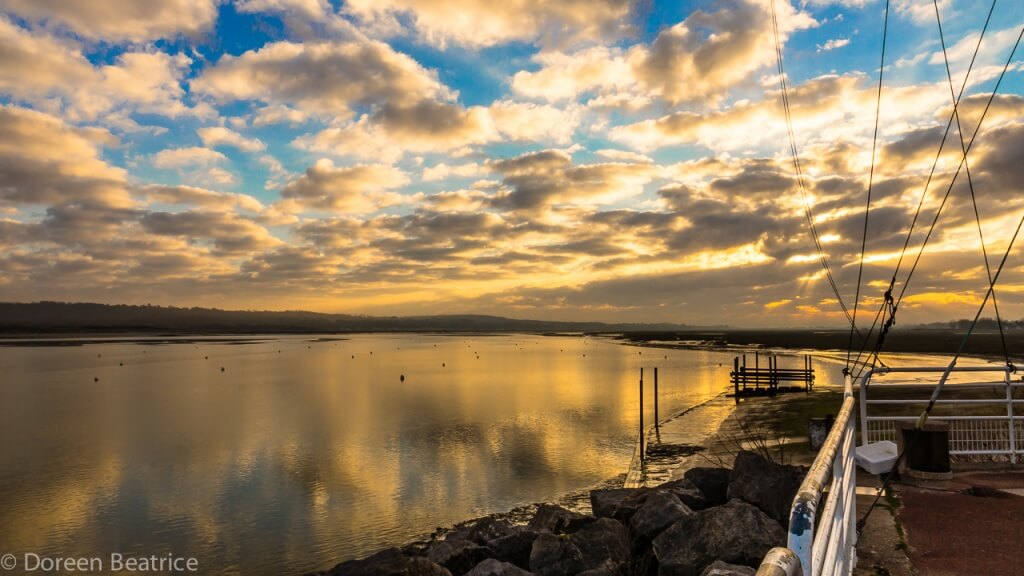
[{"x": 301, "y": 453}]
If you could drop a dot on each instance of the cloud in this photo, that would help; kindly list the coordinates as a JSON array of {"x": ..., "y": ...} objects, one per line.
[
  {"x": 564, "y": 76},
  {"x": 921, "y": 12},
  {"x": 710, "y": 52},
  {"x": 436, "y": 127},
  {"x": 701, "y": 57},
  {"x": 537, "y": 181},
  {"x": 832, "y": 44},
  {"x": 184, "y": 157},
  {"x": 227, "y": 232},
  {"x": 38, "y": 67},
  {"x": 120, "y": 20},
  {"x": 480, "y": 23},
  {"x": 309, "y": 8},
  {"x": 201, "y": 197},
  {"x": 832, "y": 107},
  {"x": 278, "y": 114},
  {"x": 43, "y": 160},
  {"x": 330, "y": 78},
  {"x": 352, "y": 189},
  {"x": 221, "y": 136}
]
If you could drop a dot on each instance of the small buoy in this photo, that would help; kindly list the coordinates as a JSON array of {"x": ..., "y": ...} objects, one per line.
[
  {"x": 402, "y": 378},
  {"x": 353, "y": 355},
  {"x": 99, "y": 355},
  {"x": 120, "y": 363},
  {"x": 221, "y": 368},
  {"x": 442, "y": 364},
  {"x": 96, "y": 379},
  {"x": 206, "y": 357}
]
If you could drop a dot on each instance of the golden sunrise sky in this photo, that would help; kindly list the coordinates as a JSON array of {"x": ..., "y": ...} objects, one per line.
[{"x": 579, "y": 160}]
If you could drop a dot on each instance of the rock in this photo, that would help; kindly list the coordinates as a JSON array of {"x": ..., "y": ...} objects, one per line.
[
  {"x": 514, "y": 547},
  {"x": 765, "y": 484},
  {"x": 607, "y": 568},
  {"x": 390, "y": 562},
  {"x": 644, "y": 564},
  {"x": 558, "y": 520},
  {"x": 605, "y": 502},
  {"x": 492, "y": 567},
  {"x": 554, "y": 555},
  {"x": 736, "y": 532},
  {"x": 458, "y": 556},
  {"x": 481, "y": 531},
  {"x": 719, "y": 568},
  {"x": 605, "y": 540},
  {"x": 687, "y": 492},
  {"x": 712, "y": 482},
  {"x": 661, "y": 510}
]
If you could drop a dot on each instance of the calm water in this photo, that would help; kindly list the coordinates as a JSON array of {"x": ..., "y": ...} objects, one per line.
[{"x": 302, "y": 453}]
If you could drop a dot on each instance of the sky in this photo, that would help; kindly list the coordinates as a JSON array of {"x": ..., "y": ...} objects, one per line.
[{"x": 609, "y": 160}]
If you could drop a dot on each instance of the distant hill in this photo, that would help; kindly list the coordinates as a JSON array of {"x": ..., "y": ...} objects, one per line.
[{"x": 73, "y": 318}]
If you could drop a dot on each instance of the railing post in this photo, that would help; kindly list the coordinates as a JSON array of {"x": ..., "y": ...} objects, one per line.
[
  {"x": 1009, "y": 416},
  {"x": 863, "y": 400}
]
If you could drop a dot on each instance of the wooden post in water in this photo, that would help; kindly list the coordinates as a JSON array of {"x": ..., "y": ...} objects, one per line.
[
  {"x": 643, "y": 451},
  {"x": 656, "y": 397},
  {"x": 744, "y": 372},
  {"x": 757, "y": 368}
]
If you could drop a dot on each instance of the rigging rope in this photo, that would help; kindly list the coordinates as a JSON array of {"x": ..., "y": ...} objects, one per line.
[
  {"x": 888, "y": 304},
  {"x": 871, "y": 180},
  {"x": 799, "y": 173},
  {"x": 970, "y": 184}
]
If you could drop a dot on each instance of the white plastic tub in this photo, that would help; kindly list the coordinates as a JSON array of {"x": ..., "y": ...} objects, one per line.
[{"x": 877, "y": 457}]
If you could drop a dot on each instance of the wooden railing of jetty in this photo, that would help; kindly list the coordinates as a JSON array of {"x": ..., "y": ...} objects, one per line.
[{"x": 757, "y": 381}]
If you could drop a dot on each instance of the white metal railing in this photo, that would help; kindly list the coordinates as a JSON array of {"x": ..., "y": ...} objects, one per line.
[
  {"x": 828, "y": 547},
  {"x": 999, "y": 434},
  {"x": 825, "y": 547}
]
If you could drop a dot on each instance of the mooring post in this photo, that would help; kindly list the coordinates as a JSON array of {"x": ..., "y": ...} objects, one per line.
[
  {"x": 643, "y": 450},
  {"x": 656, "y": 420},
  {"x": 744, "y": 372},
  {"x": 757, "y": 368}
]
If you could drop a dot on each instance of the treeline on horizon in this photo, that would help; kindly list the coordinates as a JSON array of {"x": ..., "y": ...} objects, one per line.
[{"x": 69, "y": 318}]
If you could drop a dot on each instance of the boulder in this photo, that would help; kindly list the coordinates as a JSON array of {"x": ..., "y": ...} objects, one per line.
[
  {"x": 555, "y": 555},
  {"x": 765, "y": 484},
  {"x": 712, "y": 482},
  {"x": 482, "y": 530},
  {"x": 514, "y": 547},
  {"x": 644, "y": 563},
  {"x": 390, "y": 562},
  {"x": 458, "y": 556},
  {"x": 719, "y": 568},
  {"x": 558, "y": 520},
  {"x": 605, "y": 502},
  {"x": 661, "y": 510},
  {"x": 687, "y": 492},
  {"x": 492, "y": 567},
  {"x": 607, "y": 568},
  {"x": 601, "y": 542},
  {"x": 736, "y": 532}
]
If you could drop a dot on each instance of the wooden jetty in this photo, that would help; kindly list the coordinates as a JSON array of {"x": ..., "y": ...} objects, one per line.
[{"x": 757, "y": 381}]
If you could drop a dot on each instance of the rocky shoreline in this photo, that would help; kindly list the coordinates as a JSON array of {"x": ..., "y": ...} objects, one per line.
[{"x": 710, "y": 522}]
